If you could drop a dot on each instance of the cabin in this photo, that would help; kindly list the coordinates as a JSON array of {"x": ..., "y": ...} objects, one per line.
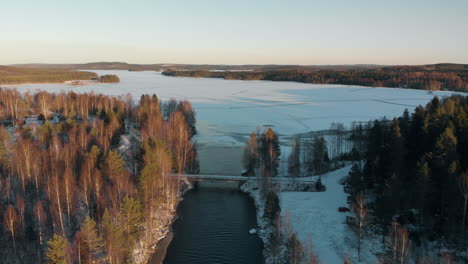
[{"x": 32, "y": 119}]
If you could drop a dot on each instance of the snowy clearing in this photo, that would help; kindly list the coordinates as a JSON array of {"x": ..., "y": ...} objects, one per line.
[{"x": 315, "y": 217}]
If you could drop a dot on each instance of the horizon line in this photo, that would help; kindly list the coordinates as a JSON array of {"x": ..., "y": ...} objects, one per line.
[{"x": 222, "y": 64}]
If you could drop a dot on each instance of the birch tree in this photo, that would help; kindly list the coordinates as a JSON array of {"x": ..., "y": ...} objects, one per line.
[{"x": 360, "y": 209}]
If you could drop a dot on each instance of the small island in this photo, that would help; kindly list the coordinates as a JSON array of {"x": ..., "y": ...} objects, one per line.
[{"x": 109, "y": 78}]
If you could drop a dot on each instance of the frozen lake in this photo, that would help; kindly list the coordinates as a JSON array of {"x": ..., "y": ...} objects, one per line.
[{"x": 229, "y": 110}]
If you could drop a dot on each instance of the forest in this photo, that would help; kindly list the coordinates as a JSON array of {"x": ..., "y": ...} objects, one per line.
[
  {"x": 411, "y": 175},
  {"x": 109, "y": 78},
  {"x": 408, "y": 183},
  {"x": 18, "y": 75},
  {"x": 423, "y": 77},
  {"x": 86, "y": 178}
]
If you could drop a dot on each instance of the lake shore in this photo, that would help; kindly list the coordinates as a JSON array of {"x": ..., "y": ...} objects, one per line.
[{"x": 71, "y": 82}]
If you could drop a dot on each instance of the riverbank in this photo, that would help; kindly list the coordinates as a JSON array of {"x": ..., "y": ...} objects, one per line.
[
  {"x": 265, "y": 229},
  {"x": 160, "y": 252},
  {"x": 152, "y": 246}
]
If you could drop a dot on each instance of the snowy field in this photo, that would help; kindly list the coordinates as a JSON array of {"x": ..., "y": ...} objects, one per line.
[
  {"x": 228, "y": 110},
  {"x": 315, "y": 217}
]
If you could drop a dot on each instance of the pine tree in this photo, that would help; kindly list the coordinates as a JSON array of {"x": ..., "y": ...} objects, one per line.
[
  {"x": 294, "y": 164},
  {"x": 320, "y": 160},
  {"x": 132, "y": 217},
  {"x": 113, "y": 238},
  {"x": 355, "y": 180},
  {"x": 396, "y": 148},
  {"x": 422, "y": 187},
  {"x": 57, "y": 253},
  {"x": 92, "y": 241},
  {"x": 445, "y": 168}
]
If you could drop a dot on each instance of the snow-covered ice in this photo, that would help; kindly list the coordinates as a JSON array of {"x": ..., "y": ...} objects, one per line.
[{"x": 228, "y": 110}]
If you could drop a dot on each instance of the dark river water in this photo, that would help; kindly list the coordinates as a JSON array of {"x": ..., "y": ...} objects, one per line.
[{"x": 213, "y": 227}]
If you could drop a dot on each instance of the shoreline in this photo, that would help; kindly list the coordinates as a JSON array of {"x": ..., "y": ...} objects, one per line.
[
  {"x": 81, "y": 83},
  {"x": 157, "y": 257},
  {"x": 160, "y": 248},
  {"x": 264, "y": 229}
]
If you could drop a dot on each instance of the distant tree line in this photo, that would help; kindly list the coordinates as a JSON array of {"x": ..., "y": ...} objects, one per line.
[
  {"x": 15, "y": 75},
  {"x": 67, "y": 195},
  {"x": 400, "y": 77}
]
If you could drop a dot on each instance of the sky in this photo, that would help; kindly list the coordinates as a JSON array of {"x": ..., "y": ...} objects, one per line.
[{"x": 306, "y": 32}]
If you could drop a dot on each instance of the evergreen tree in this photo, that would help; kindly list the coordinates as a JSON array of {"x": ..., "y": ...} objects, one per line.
[
  {"x": 113, "y": 238},
  {"x": 320, "y": 161},
  {"x": 397, "y": 149},
  {"x": 294, "y": 164},
  {"x": 355, "y": 180},
  {"x": 132, "y": 217},
  {"x": 92, "y": 241},
  {"x": 57, "y": 253},
  {"x": 422, "y": 187}
]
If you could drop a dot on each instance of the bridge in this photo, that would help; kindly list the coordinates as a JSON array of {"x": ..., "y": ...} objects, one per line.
[{"x": 213, "y": 177}]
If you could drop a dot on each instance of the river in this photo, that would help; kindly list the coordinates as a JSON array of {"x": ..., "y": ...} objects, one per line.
[
  {"x": 213, "y": 227},
  {"x": 214, "y": 218}
]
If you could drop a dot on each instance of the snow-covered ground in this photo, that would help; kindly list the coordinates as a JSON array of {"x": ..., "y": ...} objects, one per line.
[{"x": 315, "y": 217}]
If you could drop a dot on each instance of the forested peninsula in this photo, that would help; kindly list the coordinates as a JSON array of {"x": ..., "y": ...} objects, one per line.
[
  {"x": 86, "y": 178},
  {"x": 453, "y": 77},
  {"x": 22, "y": 75}
]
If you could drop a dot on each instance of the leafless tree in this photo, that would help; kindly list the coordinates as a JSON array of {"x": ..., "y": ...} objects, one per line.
[
  {"x": 10, "y": 218},
  {"x": 311, "y": 256},
  {"x": 41, "y": 217},
  {"x": 360, "y": 209}
]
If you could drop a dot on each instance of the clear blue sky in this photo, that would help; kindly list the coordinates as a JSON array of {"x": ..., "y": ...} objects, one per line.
[{"x": 234, "y": 31}]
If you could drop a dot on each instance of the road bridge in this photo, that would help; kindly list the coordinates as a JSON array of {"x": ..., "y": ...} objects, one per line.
[{"x": 216, "y": 177}]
